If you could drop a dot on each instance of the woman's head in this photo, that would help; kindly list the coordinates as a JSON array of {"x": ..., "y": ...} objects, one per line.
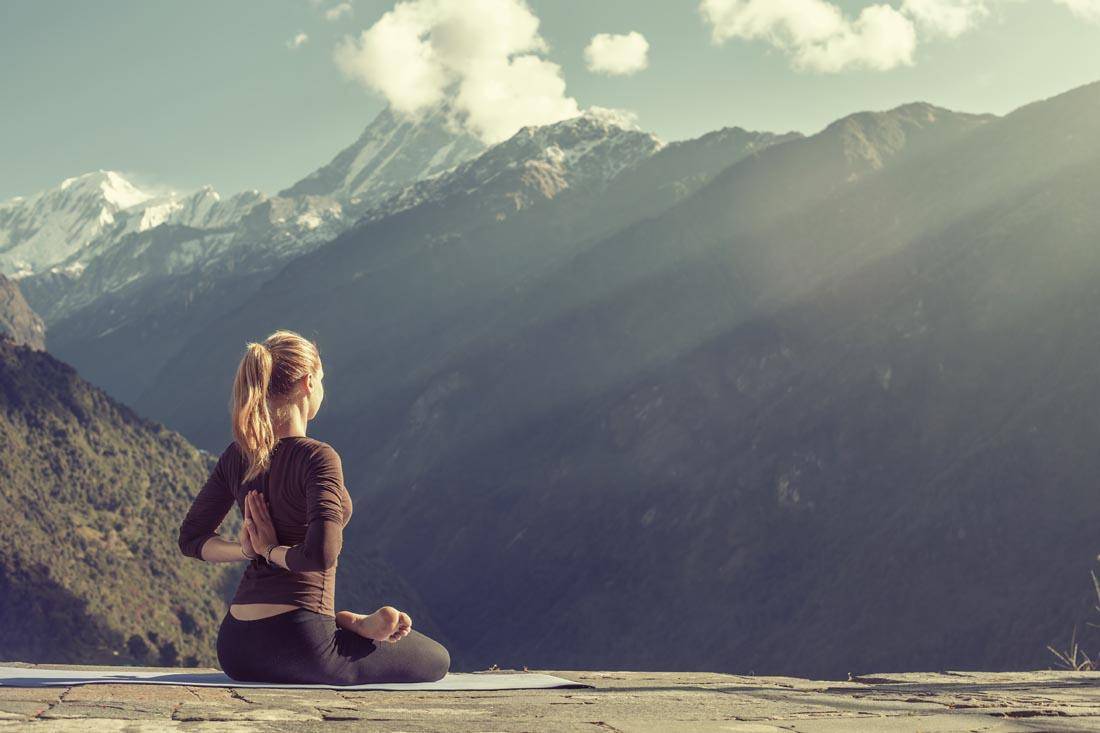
[{"x": 276, "y": 380}]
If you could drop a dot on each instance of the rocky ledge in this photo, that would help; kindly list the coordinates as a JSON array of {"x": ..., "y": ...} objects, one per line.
[{"x": 630, "y": 702}]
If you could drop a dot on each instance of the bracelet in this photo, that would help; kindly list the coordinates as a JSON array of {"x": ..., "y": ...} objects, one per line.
[
  {"x": 247, "y": 556},
  {"x": 267, "y": 552}
]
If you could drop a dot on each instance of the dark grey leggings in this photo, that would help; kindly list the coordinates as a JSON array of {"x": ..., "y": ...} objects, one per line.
[{"x": 308, "y": 647}]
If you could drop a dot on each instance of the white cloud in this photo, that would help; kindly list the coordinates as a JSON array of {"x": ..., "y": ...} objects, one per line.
[
  {"x": 950, "y": 18},
  {"x": 480, "y": 55},
  {"x": 338, "y": 11},
  {"x": 1085, "y": 9},
  {"x": 297, "y": 41},
  {"x": 617, "y": 54},
  {"x": 815, "y": 33},
  {"x": 624, "y": 118}
]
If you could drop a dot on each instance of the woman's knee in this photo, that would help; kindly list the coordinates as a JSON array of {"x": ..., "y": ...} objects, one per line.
[
  {"x": 438, "y": 660},
  {"x": 442, "y": 664}
]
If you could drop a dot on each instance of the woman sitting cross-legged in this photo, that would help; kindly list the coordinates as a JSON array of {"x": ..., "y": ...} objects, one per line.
[{"x": 281, "y": 625}]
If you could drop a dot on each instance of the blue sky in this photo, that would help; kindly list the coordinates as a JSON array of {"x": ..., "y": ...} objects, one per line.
[{"x": 180, "y": 94}]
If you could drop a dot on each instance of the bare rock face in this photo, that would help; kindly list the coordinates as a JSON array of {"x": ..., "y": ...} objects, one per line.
[{"x": 17, "y": 320}]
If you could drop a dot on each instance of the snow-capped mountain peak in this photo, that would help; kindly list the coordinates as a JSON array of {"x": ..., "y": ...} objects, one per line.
[
  {"x": 62, "y": 228},
  {"x": 611, "y": 117},
  {"x": 114, "y": 189},
  {"x": 538, "y": 162},
  {"x": 116, "y": 192},
  {"x": 392, "y": 152},
  {"x": 38, "y": 230}
]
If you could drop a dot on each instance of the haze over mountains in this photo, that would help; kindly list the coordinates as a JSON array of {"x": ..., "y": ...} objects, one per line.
[{"x": 820, "y": 404}]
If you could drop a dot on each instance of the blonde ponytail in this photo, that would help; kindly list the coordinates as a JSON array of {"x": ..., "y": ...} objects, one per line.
[{"x": 265, "y": 380}]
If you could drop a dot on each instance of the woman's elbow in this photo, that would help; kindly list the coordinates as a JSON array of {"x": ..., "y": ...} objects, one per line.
[
  {"x": 191, "y": 544},
  {"x": 316, "y": 561},
  {"x": 183, "y": 539},
  {"x": 330, "y": 551},
  {"x": 328, "y": 559}
]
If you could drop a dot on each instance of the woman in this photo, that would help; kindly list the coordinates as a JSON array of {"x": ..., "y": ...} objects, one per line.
[{"x": 281, "y": 625}]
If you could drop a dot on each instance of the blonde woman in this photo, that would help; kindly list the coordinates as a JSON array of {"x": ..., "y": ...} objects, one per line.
[{"x": 281, "y": 625}]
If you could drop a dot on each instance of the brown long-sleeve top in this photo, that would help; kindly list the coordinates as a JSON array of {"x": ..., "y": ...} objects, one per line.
[{"x": 309, "y": 507}]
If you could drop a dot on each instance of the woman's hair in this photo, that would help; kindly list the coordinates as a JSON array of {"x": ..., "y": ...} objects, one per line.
[{"x": 264, "y": 381}]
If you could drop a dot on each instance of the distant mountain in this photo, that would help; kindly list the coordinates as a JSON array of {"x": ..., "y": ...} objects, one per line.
[
  {"x": 92, "y": 496},
  {"x": 62, "y": 230},
  {"x": 582, "y": 154},
  {"x": 17, "y": 320},
  {"x": 51, "y": 225},
  {"x": 392, "y": 152}
]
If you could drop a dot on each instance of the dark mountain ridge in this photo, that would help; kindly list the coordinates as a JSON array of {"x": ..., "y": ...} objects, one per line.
[{"x": 17, "y": 319}]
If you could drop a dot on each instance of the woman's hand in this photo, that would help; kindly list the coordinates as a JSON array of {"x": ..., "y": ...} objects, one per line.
[
  {"x": 246, "y": 540},
  {"x": 257, "y": 521}
]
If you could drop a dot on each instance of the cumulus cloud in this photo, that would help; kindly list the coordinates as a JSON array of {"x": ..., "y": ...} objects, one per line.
[
  {"x": 1085, "y": 9},
  {"x": 815, "y": 33},
  {"x": 817, "y": 36},
  {"x": 297, "y": 41},
  {"x": 949, "y": 18},
  {"x": 481, "y": 56},
  {"x": 617, "y": 53},
  {"x": 624, "y": 118},
  {"x": 338, "y": 11}
]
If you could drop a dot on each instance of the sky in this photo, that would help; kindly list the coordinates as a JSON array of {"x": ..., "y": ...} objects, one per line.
[{"x": 258, "y": 93}]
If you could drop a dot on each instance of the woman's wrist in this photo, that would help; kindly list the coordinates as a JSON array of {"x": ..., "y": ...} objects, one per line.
[{"x": 219, "y": 549}]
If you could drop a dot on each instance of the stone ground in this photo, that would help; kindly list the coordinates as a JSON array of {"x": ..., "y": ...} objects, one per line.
[{"x": 630, "y": 702}]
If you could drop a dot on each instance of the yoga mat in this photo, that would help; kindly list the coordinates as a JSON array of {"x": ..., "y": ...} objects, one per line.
[{"x": 47, "y": 677}]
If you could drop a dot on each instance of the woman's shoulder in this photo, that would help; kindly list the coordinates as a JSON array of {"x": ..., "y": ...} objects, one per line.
[
  {"x": 232, "y": 452},
  {"x": 307, "y": 446},
  {"x": 312, "y": 447}
]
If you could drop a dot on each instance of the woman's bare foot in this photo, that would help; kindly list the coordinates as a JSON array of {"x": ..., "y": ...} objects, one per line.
[
  {"x": 385, "y": 624},
  {"x": 404, "y": 625}
]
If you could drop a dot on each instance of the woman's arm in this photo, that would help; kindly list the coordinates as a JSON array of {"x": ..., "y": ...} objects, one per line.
[
  {"x": 216, "y": 549},
  {"x": 198, "y": 536}
]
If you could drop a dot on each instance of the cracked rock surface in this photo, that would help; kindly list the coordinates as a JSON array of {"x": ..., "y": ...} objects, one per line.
[{"x": 629, "y": 702}]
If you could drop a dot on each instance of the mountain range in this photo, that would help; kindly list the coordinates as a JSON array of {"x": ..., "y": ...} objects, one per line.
[{"x": 806, "y": 404}]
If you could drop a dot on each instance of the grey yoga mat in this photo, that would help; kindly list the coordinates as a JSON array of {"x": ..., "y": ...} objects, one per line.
[{"x": 52, "y": 677}]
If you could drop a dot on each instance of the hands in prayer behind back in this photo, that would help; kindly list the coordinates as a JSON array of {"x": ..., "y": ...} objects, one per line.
[
  {"x": 246, "y": 540},
  {"x": 387, "y": 624},
  {"x": 257, "y": 521}
]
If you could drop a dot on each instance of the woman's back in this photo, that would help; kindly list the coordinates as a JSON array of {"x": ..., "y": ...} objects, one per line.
[{"x": 309, "y": 507}]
